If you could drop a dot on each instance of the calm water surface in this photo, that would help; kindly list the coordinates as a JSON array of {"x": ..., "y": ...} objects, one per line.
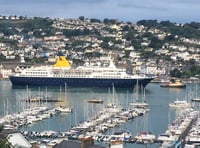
[{"x": 155, "y": 121}]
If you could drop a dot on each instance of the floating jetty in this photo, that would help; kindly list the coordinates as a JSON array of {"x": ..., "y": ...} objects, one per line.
[
  {"x": 193, "y": 135},
  {"x": 178, "y": 129},
  {"x": 40, "y": 99},
  {"x": 96, "y": 126},
  {"x": 26, "y": 117}
]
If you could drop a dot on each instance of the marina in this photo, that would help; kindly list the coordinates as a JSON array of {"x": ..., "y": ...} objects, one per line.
[{"x": 94, "y": 119}]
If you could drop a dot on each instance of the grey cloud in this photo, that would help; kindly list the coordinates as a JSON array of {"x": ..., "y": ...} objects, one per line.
[
  {"x": 126, "y": 10},
  {"x": 138, "y": 6}
]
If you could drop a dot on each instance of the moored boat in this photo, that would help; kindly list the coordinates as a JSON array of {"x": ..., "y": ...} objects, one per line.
[
  {"x": 145, "y": 137},
  {"x": 116, "y": 143},
  {"x": 180, "y": 104},
  {"x": 174, "y": 83},
  {"x": 62, "y": 73},
  {"x": 95, "y": 100},
  {"x": 196, "y": 99},
  {"x": 63, "y": 109}
]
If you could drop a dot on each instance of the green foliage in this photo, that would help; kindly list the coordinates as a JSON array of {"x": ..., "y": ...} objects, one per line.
[
  {"x": 8, "y": 27},
  {"x": 170, "y": 38},
  {"x": 130, "y": 35},
  {"x": 78, "y": 43},
  {"x": 148, "y": 23},
  {"x": 193, "y": 71},
  {"x": 3, "y": 144},
  {"x": 37, "y": 23},
  {"x": 191, "y": 62},
  {"x": 109, "y": 21},
  {"x": 125, "y": 28},
  {"x": 37, "y": 60},
  {"x": 136, "y": 43},
  {"x": 93, "y": 54},
  {"x": 176, "y": 73},
  {"x": 108, "y": 39},
  {"x": 148, "y": 54},
  {"x": 104, "y": 45},
  {"x": 82, "y": 18},
  {"x": 155, "y": 43},
  {"x": 187, "y": 74},
  {"x": 78, "y": 62},
  {"x": 189, "y": 30},
  {"x": 2, "y": 58},
  {"x": 167, "y": 24},
  {"x": 148, "y": 34},
  {"x": 9, "y": 41},
  {"x": 76, "y": 32},
  {"x": 194, "y": 25},
  {"x": 1, "y": 127},
  {"x": 94, "y": 20}
]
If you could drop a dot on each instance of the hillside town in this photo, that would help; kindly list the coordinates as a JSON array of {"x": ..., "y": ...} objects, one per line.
[
  {"x": 91, "y": 41},
  {"x": 89, "y": 54}
]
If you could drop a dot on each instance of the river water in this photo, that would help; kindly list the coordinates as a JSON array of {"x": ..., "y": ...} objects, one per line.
[{"x": 156, "y": 120}]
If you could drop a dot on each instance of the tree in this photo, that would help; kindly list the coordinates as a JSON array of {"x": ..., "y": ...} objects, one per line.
[
  {"x": 191, "y": 62},
  {"x": 109, "y": 21},
  {"x": 194, "y": 25},
  {"x": 166, "y": 23},
  {"x": 130, "y": 35},
  {"x": 148, "y": 35},
  {"x": 176, "y": 73},
  {"x": 148, "y": 54},
  {"x": 37, "y": 23},
  {"x": 148, "y": 23},
  {"x": 155, "y": 43},
  {"x": 125, "y": 28},
  {"x": 187, "y": 74},
  {"x": 82, "y": 18},
  {"x": 94, "y": 20},
  {"x": 1, "y": 127}
]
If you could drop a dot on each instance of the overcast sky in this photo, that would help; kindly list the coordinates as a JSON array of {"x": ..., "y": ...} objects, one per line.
[{"x": 179, "y": 11}]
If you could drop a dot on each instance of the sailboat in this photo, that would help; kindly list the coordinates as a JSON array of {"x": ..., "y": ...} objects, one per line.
[
  {"x": 180, "y": 104},
  {"x": 63, "y": 108},
  {"x": 196, "y": 99},
  {"x": 145, "y": 137},
  {"x": 113, "y": 106},
  {"x": 137, "y": 103}
]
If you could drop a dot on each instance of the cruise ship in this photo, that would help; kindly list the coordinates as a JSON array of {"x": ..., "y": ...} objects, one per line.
[{"x": 61, "y": 74}]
